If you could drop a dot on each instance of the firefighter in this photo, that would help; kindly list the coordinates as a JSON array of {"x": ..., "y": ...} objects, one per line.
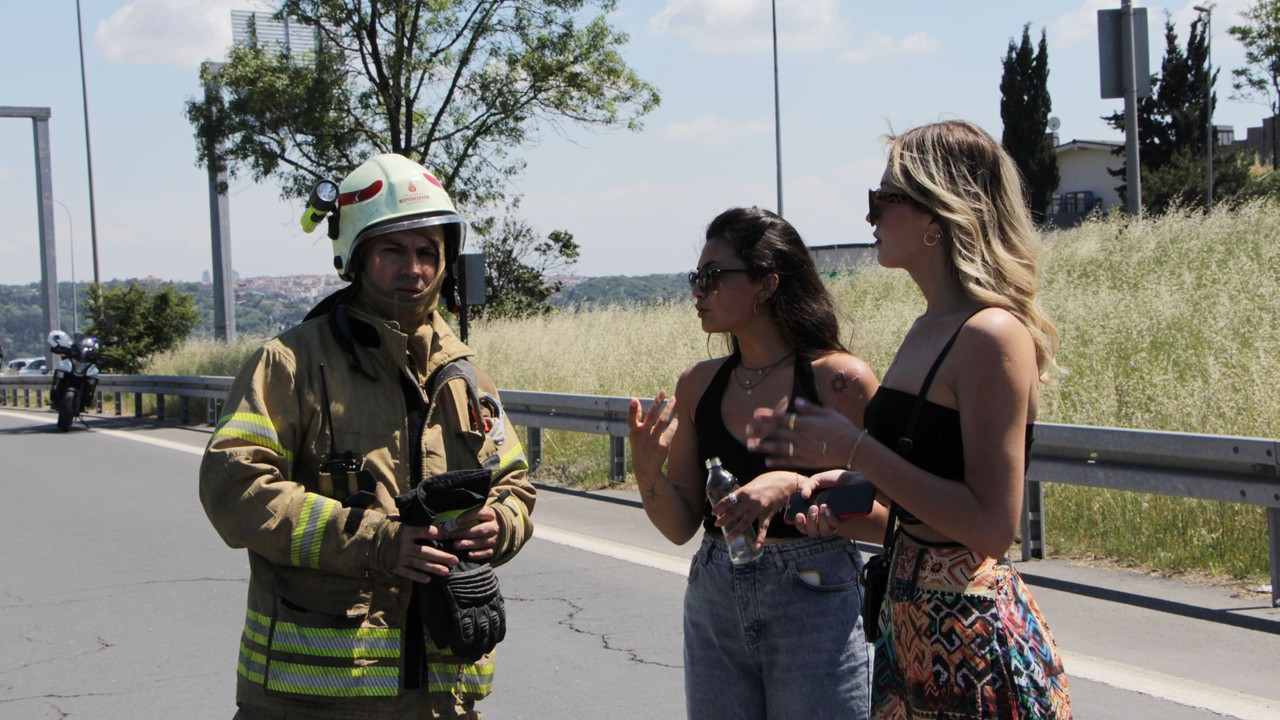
[{"x": 368, "y": 468}]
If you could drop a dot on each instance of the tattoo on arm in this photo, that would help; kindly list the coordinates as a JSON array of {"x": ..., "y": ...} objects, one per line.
[
  {"x": 653, "y": 492},
  {"x": 840, "y": 382}
]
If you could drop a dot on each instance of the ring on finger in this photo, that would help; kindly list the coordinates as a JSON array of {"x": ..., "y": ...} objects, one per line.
[
  {"x": 822, "y": 446},
  {"x": 791, "y": 449},
  {"x": 791, "y": 421},
  {"x": 733, "y": 498}
]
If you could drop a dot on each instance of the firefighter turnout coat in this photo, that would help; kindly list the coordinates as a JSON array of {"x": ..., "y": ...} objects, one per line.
[{"x": 325, "y": 414}]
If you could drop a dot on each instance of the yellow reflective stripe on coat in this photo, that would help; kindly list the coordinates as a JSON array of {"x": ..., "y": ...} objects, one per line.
[
  {"x": 354, "y": 643},
  {"x": 252, "y": 665},
  {"x": 513, "y": 458},
  {"x": 252, "y": 428},
  {"x": 360, "y": 681},
  {"x": 304, "y": 550},
  {"x": 467, "y": 678}
]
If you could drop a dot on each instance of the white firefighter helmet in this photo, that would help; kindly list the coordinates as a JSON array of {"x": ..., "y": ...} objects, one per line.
[{"x": 389, "y": 193}]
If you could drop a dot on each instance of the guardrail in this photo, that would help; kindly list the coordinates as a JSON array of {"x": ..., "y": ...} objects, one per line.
[{"x": 1208, "y": 467}]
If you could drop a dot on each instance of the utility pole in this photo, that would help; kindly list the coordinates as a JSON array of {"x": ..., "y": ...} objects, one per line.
[
  {"x": 1207, "y": 11},
  {"x": 777, "y": 111},
  {"x": 88, "y": 149},
  {"x": 1133, "y": 178}
]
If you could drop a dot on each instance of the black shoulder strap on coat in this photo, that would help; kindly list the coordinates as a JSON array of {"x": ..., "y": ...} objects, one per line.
[{"x": 452, "y": 370}]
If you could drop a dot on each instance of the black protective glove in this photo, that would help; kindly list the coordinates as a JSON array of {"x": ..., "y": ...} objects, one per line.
[{"x": 462, "y": 611}]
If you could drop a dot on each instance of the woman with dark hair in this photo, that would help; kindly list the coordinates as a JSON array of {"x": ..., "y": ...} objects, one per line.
[
  {"x": 947, "y": 438},
  {"x": 761, "y": 638}
]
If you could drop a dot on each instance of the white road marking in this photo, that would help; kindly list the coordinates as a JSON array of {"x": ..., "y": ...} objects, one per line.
[{"x": 1190, "y": 693}]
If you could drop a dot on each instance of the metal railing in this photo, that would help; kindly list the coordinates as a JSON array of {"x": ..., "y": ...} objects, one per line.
[{"x": 1208, "y": 467}]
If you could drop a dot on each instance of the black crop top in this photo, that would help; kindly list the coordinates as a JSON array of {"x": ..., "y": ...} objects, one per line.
[
  {"x": 937, "y": 442},
  {"x": 715, "y": 440}
]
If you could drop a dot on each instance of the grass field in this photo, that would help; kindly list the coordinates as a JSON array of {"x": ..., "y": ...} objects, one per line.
[{"x": 1167, "y": 324}]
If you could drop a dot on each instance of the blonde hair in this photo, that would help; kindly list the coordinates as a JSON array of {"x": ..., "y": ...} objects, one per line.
[{"x": 973, "y": 188}]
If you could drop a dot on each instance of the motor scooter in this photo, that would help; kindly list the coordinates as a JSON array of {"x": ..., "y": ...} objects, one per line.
[{"x": 75, "y": 381}]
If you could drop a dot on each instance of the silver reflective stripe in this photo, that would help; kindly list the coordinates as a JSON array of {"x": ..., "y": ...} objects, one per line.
[
  {"x": 304, "y": 551},
  {"x": 447, "y": 677},
  {"x": 252, "y": 428},
  {"x": 363, "y": 681},
  {"x": 252, "y": 664},
  {"x": 330, "y": 642}
]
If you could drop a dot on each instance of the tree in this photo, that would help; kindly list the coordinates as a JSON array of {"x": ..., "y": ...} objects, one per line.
[
  {"x": 1024, "y": 108},
  {"x": 134, "y": 324},
  {"x": 1260, "y": 35},
  {"x": 1173, "y": 127},
  {"x": 457, "y": 85},
  {"x": 517, "y": 263}
]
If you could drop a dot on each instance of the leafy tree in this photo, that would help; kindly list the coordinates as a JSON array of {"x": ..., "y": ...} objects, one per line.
[
  {"x": 1024, "y": 108},
  {"x": 1173, "y": 124},
  {"x": 455, "y": 84},
  {"x": 517, "y": 263},
  {"x": 134, "y": 324},
  {"x": 1260, "y": 35}
]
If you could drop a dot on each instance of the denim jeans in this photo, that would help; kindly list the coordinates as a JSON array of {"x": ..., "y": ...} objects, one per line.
[{"x": 780, "y": 637}]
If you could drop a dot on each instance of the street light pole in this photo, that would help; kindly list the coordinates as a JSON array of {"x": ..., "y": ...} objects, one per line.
[
  {"x": 88, "y": 150},
  {"x": 71, "y": 235},
  {"x": 777, "y": 111},
  {"x": 1207, "y": 11}
]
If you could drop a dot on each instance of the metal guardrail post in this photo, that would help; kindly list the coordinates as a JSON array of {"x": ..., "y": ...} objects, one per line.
[
  {"x": 617, "y": 458},
  {"x": 184, "y": 409},
  {"x": 1033, "y": 521},
  {"x": 119, "y": 398},
  {"x": 137, "y": 404},
  {"x": 26, "y": 397},
  {"x": 159, "y": 406},
  {"x": 535, "y": 447},
  {"x": 98, "y": 395},
  {"x": 1273, "y": 536}
]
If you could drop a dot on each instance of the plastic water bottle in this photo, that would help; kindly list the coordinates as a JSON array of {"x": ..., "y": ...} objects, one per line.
[{"x": 721, "y": 482}]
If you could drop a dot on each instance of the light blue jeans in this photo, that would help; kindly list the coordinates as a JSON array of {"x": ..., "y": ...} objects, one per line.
[{"x": 780, "y": 637}]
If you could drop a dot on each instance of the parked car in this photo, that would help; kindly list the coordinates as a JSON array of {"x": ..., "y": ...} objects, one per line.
[
  {"x": 37, "y": 366},
  {"x": 13, "y": 367}
]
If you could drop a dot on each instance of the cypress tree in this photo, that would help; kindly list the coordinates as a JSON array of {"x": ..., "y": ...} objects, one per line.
[{"x": 1024, "y": 108}]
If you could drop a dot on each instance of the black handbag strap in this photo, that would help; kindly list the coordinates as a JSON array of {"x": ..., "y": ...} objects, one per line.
[{"x": 906, "y": 443}]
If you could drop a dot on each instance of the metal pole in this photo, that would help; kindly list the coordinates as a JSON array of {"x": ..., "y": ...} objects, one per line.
[
  {"x": 71, "y": 247},
  {"x": 224, "y": 307},
  {"x": 1133, "y": 178},
  {"x": 1208, "y": 100},
  {"x": 44, "y": 207},
  {"x": 88, "y": 149},
  {"x": 777, "y": 111}
]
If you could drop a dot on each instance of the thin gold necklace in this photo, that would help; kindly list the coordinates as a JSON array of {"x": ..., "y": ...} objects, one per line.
[{"x": 761, "y": 372}]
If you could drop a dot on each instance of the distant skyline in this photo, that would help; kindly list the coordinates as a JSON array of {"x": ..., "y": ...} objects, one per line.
[{"x": 637, "y": 203}]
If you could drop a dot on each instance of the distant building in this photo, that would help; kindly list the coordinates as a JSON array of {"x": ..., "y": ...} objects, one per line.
[
  {"x": 842, "y": 256},
  {"x": 1083, "y": 181}
]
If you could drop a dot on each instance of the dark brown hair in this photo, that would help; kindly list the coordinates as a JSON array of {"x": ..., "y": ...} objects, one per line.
[{"x": 801, "y": 306}]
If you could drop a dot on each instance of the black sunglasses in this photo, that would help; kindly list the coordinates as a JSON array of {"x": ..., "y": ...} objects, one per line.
[
  {"x": 875, "y": 198},
  {"x": 708, "y": 279}
]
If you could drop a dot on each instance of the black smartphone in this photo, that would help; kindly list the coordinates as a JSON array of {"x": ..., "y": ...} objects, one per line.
[{"x": 844, "y": 501}]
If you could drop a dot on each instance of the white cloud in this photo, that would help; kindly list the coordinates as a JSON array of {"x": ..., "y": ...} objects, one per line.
[
  {"x": 1080, "y": 26},
  {"x": 880, "y": 46},
  {"x": 726, "y": 27},
  {"x": 715, "y": 129},
  {"x": 169, "y": 32}
]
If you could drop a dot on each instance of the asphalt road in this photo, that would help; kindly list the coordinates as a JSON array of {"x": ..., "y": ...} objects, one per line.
[{"x": 117, "y": 600}]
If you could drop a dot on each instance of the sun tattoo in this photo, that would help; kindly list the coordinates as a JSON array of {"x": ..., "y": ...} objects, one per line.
[{"x": 840, "y": 382}]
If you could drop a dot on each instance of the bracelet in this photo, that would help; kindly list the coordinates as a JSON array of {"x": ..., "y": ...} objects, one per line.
[{"x": 849, "y": 463}]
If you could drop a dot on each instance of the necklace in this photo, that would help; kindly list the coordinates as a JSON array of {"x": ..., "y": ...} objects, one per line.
[{"x": 761, "y": 372}]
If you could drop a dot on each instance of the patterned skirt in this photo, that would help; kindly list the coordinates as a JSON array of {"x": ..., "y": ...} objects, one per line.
[{"x": 962, "y": 638}]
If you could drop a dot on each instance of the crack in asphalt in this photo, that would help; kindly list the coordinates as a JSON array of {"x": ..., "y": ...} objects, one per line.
[
  {"x": 102, "y": 645},
  {"x": 126, "y": 589},
  {"x": 632, "y": 655}
]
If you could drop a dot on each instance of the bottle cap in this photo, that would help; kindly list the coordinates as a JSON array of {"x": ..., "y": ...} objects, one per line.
[{"x": 713, "y": 462}]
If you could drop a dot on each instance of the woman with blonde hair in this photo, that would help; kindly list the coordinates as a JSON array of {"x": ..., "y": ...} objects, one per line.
[{"x": 947, "y": 437}]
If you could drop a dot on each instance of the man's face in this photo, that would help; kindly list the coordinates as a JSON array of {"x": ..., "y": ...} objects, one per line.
[{"x": 404, "y": 262}]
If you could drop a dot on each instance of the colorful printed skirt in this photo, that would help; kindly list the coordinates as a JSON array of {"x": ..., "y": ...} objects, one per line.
[{"x": 962, "y": 638}]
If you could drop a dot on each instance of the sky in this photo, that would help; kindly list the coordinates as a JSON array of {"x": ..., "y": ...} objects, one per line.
[{"x": 637, "y": 203}]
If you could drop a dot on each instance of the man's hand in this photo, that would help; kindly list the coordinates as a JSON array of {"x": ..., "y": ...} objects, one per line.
[
  {"x": 419, "y": 562},
  {"x": 479, "y": 540}
]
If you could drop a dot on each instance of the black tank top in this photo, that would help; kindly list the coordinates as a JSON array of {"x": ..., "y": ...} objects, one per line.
[
  {"x": 715, "y": 440},
  {"x": 937, "y": 442}
]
